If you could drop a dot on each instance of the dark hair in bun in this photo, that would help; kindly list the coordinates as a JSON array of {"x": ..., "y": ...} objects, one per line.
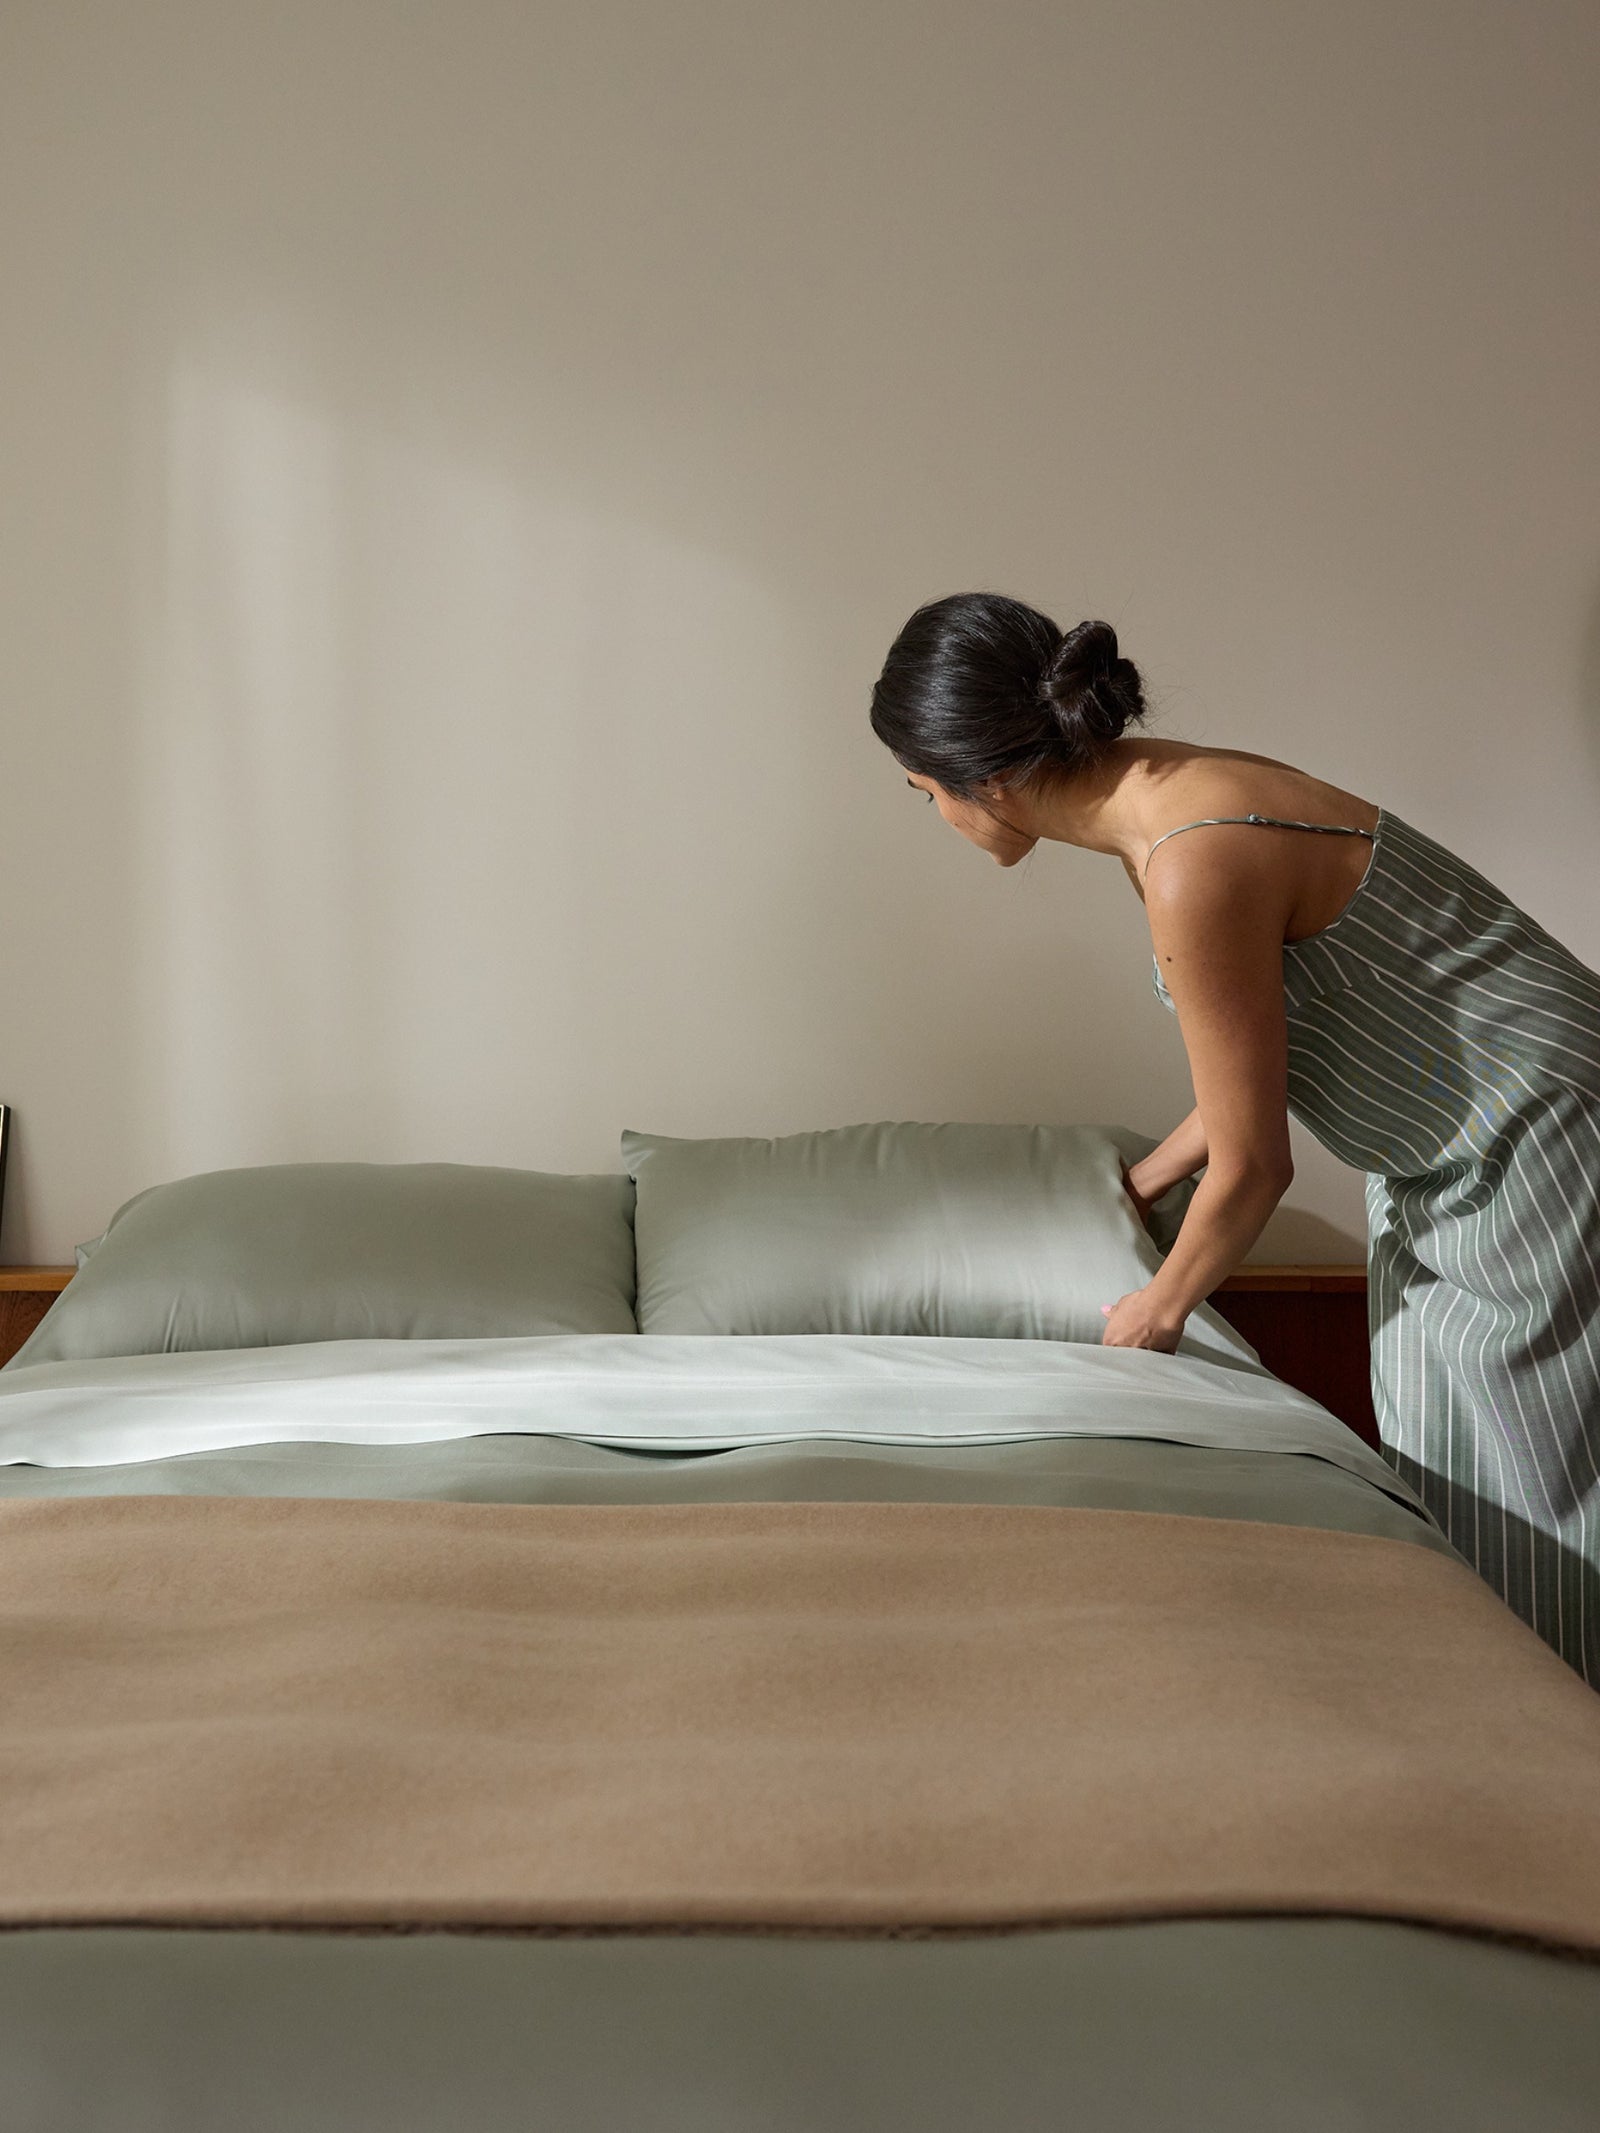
[{"x": 978, "y": 687}]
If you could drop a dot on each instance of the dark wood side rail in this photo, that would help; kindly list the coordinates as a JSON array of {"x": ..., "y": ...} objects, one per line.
[{"x": 1307, "y": 1323}]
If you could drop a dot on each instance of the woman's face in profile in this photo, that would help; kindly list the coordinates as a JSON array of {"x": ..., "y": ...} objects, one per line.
[{"x": 1005, "y": 846}]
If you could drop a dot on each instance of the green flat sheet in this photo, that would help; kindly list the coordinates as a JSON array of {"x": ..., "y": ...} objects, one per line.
[{"x": 1116, "y": 1473}]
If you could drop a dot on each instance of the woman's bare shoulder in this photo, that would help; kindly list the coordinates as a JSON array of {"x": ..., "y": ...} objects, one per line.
[{"x": 1191, "y": 783}]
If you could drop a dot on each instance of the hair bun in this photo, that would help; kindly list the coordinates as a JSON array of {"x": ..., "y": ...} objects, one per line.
[
  {"x": 1092, "y": 691},
  {"x": 1083, "y": 655}
]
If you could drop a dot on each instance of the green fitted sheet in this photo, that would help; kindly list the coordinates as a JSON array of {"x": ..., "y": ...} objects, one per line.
[{"x": 1195, "y": 2026}]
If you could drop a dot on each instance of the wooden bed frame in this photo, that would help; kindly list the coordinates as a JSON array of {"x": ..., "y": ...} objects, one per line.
[{"x": 1307, "y": 1323}]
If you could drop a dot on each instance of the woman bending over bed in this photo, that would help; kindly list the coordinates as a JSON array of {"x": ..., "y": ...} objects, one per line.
[{"x": 1326, "y": 960}]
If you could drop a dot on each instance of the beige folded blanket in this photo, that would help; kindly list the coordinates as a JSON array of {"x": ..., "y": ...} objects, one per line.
[{"x": 846, "y": 1716}]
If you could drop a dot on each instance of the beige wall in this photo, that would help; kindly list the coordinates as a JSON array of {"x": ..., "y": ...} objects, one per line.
[{"x": 464, "y": 465}]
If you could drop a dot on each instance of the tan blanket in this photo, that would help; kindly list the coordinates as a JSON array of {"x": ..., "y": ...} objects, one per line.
[{"x": 837, "y": 1715}]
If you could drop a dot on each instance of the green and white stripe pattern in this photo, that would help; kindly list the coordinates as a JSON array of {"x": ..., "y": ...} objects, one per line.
[{"x": 1443, "y": 1042}]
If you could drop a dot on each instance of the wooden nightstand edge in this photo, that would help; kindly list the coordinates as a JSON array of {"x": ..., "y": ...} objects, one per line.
[{"x": 1283, "y": 1280}]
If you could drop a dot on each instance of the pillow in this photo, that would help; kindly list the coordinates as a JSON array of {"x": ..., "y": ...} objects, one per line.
[
  {"x": 910, "y": 1229},
  {"x": 348, "y": 1251}
]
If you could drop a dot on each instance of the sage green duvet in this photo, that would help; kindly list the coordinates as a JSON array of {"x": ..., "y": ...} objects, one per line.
[{"x": 1242, "y": 2024}]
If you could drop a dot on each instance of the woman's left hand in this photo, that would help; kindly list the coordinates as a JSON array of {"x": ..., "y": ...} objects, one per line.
[{"x": 1130, "y": 1323}]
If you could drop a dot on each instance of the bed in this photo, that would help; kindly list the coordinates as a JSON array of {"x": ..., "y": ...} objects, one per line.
[{"x": 276, "y": 1360}]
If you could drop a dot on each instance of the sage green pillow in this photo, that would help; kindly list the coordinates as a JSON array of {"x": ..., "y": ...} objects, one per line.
[
  {"x": 295, "y": 1252},
  {"x": 985, "y": 1231}
]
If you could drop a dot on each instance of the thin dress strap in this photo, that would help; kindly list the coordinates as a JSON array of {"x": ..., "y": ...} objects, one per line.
[{"x": 1326, "y": 829}]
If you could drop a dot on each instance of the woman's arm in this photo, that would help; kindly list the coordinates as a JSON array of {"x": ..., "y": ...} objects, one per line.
[
  {"x": 1217, "y": 920},
  {"x": 1179, "y": 1156},
  {"x": 1220, "y": 1224}
]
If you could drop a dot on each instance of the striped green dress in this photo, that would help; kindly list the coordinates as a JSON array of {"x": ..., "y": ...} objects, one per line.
[{"x": 1444, "y": 1043}]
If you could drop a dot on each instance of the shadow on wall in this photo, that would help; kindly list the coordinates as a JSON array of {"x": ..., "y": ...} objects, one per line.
[{"x": 406, "y": 729}]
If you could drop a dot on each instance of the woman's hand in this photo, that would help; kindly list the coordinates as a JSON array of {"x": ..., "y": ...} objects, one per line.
[{"x": 1132, "y": 1322}]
